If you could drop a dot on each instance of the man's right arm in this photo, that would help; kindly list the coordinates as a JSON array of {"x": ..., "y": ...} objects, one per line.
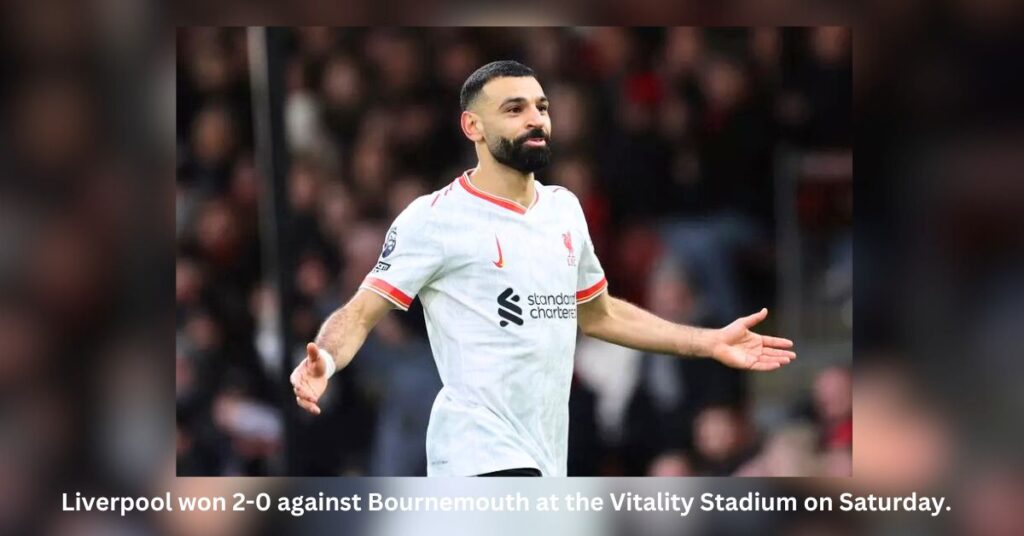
[
  {"x": 344, "y": 332},
  {"x": 340, "y": 337},
  {"x": 412, "y": 255}
]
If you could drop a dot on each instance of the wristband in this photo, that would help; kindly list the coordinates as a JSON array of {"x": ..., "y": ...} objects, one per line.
[{"x": 329, "y": 360}]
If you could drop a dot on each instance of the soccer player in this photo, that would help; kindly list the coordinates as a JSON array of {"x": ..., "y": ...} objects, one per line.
[{"x": 506, "y": 271}]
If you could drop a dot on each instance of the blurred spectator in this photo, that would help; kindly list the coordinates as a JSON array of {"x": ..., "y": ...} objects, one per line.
[
  {"x": 671, "y": 464},
  {"x": 723, "y": 439},
  {"x": 671, "y": 391},
  {"x": 791, "y": 451},
  {"x": 816, "y": 106},
  {"x": 399, "y": 369},
  {"x": 213, "y": 145},
  {"x": 833, "y": 402},
  {"x": 918, "y": 450},
  {"x": 342, "y": 88}
]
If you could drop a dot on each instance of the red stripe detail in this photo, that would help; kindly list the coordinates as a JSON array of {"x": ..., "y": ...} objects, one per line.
[
  {"x": 592, "y": 291},
  {"x": 386, "y": 288},
  {"x": 504, "y": 203},
  {"x": 434, "y": 202}
]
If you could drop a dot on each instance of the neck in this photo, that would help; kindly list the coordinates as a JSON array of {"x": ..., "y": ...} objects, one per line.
[{"x": 498, "y": 179}]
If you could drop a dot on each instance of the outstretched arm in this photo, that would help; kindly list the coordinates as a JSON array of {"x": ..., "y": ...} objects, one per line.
[
  {"x": 340, "y": 337},
  {"x": 620, "y": 322}
]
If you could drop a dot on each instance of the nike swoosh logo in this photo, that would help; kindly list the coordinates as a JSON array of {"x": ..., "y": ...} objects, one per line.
[{"x": 500, "y": 263}]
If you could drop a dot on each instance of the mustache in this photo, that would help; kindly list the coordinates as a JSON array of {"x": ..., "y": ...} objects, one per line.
[{"x": 535, "y": 133}]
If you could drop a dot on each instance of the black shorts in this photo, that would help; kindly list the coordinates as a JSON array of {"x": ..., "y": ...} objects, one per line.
[{"x": 521, "y": 471}]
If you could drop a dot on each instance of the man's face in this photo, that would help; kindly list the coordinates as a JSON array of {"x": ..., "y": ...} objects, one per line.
[{"x": 515, "y": 121}]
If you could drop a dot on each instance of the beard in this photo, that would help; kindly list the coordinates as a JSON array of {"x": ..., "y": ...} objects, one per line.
[{"x": 520, "y": 157}]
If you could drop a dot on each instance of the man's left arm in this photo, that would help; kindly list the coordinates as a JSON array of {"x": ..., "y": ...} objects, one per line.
[{"x": 735, "y": 345}]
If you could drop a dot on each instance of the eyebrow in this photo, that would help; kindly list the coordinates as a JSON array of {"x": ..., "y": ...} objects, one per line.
[{"x": 520, "y": 100}]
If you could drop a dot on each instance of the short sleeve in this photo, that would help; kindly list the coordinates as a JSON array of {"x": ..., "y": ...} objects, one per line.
[
  {"x": 410, "y": 258},
  {"x": 591, "y": 281}
]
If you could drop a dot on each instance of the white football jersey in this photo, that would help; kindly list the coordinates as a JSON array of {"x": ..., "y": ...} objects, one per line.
[{"x": 499, "y": 284}]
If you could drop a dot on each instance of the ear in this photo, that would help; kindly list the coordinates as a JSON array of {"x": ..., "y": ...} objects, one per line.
[{"x": 471, "y": 127}]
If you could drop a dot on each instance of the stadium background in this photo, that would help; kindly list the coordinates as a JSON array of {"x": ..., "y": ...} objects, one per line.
[{"x": 714, "y": 167}]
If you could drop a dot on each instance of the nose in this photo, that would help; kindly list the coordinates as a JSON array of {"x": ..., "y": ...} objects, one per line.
[{"x": 534, "y": 119}]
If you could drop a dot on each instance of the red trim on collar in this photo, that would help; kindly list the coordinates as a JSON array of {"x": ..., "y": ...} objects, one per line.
[{"x": 500, "y": 201}]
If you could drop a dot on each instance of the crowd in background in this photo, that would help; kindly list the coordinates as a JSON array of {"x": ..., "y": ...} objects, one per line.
[{"x": 669, "y": 137}]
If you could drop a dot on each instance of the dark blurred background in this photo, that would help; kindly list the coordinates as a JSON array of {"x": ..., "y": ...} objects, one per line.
[{"x": 715, "y": 170}]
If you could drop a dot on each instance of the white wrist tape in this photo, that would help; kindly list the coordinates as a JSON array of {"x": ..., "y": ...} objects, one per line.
[{"x": 329, "y": 361}]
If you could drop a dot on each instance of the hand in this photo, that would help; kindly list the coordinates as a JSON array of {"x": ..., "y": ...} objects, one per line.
[
  {"x": 309, "y": 379},
  {"x": 738, "y": 347}
]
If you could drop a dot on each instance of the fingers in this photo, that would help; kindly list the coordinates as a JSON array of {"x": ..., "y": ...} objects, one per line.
[
  {"x": 776, "y": 342},
  {"x": 313, "y": 352},
  {"x": 773, "y": 352},
  {"x": 305, "y": 399},
  {"x": 304, "y": 396},
  {"x": 308, "y": 406},
  {"x": 768, "y": 341},
  {"x": 755, "y": 319},
  {"x": 305, "y": 393},
  {"x": 299, "y": 374},
  {"x": 771, "y": 359}
]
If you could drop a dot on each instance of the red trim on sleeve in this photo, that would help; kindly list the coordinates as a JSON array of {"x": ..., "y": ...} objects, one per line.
[
  {"x": 588, "y": 293},
  {"x": 397, "y": 296}
]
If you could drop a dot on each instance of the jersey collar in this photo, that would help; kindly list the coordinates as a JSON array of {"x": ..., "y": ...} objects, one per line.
[{"x": 497, "y": 200}]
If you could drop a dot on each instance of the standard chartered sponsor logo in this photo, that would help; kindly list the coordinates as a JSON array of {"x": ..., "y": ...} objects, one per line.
[
  {"x": 552, "y": 306},
  {"x": 537, "y": 307}
]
